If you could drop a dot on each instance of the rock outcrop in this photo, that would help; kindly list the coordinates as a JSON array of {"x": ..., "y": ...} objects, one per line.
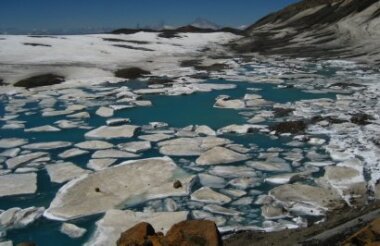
[
  {"x": 40, "y": 80},
  {"x": 115, "y": 222},
  {"x": 192, "y": 232},
  {"x": 131, "y": 73}
]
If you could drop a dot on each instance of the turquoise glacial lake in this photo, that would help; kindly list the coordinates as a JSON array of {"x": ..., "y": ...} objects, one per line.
[{"x": 178, "y": 112}]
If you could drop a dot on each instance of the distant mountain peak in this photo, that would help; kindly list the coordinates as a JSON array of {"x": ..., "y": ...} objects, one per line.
[{"x": 204, "y": 24}]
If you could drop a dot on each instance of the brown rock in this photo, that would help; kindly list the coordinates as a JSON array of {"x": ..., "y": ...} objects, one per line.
[
  {"x": 27, "y": 244},
  {"x": 369, "y": 235},
  {"x": 177, "y": 184},
  {"x": 186, "y": 233},
  {"x": 137, "y": 235},
  {"x": 194, "y": 233}
]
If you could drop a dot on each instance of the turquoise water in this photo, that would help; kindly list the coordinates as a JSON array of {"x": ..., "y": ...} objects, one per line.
[
  {"x": 177, "y": 111},
  {"x": 198, "y": 108}
]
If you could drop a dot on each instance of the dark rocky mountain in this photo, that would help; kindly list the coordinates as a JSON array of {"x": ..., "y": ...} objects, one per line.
[
  {"x": 183, "y": 29},
  {"x": 337, "y": 29}
]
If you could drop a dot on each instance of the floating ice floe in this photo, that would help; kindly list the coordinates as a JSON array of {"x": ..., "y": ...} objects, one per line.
[
  {"x": 26, "y": 170},
  {"x": 99, "y": 164},
  {"x": 18, "y": 184},
  {"x": 230, "y": 104},
  {"x": 6, "y": 143},
  {"x": 74, "y": 152},
  {"x": 118, "y": 122},
  {"x": 56, "y": 113},
  {"x": 233, "y": 171},
  {"x": 136, "y": 147},
  {"x": 220, "y": 155},
  {"x": 190, "y": 146},
  {"x": 238, "y": 148},
  {"x": 156, "y": 137},
  {"x": 113, "y": 153},
  {"x": 72, "y": 230},
  {"x": 211, "y": 181},
  {"x": 203, "y": 215},
  {"x": 114, "y": 222},
  {"x": 303, "y": 199},
  {"x": 80, "y": 115},
  {"x": 66, "y": 124},
  {"x": 111, "y": 132},
  {"x": 245, "y": 201},
  {"x": 217, "y": 209},
  {"x": 319, "y": 163},
  {"x": 270, "y": 165},
  {"x": 76, "y": 107},
  {"x": 10, "y": 152},
  {"x": 186, "y": 132},
  {"x": 46, "y": 128},
  {"x": 286, "y": 178},
  {"x": 23, "y": 159},
  {"x": 317, "y": 141},
  {"x": 105, "y": 112},
  {"x": 47, "y": 145},
  {"x": 13, "y": 126},
  {"x": 245, "y": 182},
  {"x": 63, "y": 172},
  {"x": 204, "y": 130},
  {"x": 207, "y": 195},
  {"x": 17, "y": 218},
  {"x": 143, "y": 103},
  {"x": 94, "y": 145},
  {"x": 234, "y": 193},
  {"x": 129, "y": 183},
  {"x": 271, "y": 212},
  {"x": 346, "y": 181}
]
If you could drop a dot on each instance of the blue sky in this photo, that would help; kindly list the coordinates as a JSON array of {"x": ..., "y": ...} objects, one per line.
[{"x": 72, "y": 14}]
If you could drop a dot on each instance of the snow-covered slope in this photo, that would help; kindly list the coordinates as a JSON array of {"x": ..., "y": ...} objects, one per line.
[
  {"x": 96, "y": 57},
  {"x": 319, "y": 28}
]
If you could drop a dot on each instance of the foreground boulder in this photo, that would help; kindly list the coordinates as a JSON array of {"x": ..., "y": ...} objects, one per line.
[
  {"x": 137, "y": 235},
  {"x": 192, "y": 232},
  {"x": 40, "y": 80},
  {"x": 114, "y": 222},
  {"x": 129, "y": 183}
]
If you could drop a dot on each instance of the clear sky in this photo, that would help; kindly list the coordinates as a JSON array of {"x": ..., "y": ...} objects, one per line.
[{"x": 74, "y": 14}]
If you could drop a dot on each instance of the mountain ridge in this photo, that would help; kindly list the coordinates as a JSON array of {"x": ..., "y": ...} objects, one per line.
[{"x": 338, "y": 29}]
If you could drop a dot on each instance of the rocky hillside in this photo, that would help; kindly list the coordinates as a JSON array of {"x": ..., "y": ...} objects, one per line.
[{"x": 319, "y": 28}]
